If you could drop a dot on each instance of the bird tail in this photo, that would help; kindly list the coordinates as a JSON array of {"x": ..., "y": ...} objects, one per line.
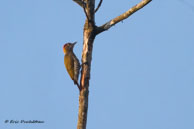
[{"x": 78, "y": 86}]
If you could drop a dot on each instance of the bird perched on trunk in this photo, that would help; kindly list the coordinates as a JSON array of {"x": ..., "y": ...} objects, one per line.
[{"x": 71, "y": 62}]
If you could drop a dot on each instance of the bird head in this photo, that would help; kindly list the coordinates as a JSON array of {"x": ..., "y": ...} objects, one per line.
[{"x": 68, "y": 47}]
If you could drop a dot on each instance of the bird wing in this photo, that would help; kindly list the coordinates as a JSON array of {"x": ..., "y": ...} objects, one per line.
[
  {"x": 68, "y": 61},
  {"x": 76, "y": 68}
]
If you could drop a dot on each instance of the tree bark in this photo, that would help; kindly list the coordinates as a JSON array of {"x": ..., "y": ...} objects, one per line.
[
  {"x": 89, "y": 36},
  {"x": 85, "y": 77}
]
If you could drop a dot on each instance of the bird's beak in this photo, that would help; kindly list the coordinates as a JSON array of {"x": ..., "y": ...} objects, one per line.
[{"x": 74, "y": 43}]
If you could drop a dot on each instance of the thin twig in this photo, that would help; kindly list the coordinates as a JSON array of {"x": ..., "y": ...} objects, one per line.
[
  {"x": 98, "y": 6},
  {"x": 84, "y": 7}
]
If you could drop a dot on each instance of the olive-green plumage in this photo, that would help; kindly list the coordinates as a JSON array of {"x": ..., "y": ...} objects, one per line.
[{"x": 71, "y": 62}]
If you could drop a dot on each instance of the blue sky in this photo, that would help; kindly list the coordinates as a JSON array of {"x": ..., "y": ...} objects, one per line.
[{"x": 142, "y": 73}]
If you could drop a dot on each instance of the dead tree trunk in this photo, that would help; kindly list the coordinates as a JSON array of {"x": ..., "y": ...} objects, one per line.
[
  {"x": 90, "y": 32},
  {"x": 89, "y": 36}
]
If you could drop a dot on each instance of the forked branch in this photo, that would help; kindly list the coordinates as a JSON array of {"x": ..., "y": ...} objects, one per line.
[
  {"x": 82, "y": 3},
  {"x": 90, "y": 32},
  {"x": 122, "y": 17}
]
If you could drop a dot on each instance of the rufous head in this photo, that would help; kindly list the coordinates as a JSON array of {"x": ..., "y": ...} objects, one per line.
[{"x": 68, "y": 47}]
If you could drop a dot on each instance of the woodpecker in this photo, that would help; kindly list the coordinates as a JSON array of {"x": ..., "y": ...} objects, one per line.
[{"x": 71, "y": 63}]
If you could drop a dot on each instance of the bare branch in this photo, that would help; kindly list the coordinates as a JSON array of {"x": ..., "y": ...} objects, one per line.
[
  {"x": 88, "y": 6},
  {"x": 98, "y": 6},
  {"x": 122, "y": 17},
  {"x": 84, "y": 7},
  {"x": 80, "y": 2}
]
